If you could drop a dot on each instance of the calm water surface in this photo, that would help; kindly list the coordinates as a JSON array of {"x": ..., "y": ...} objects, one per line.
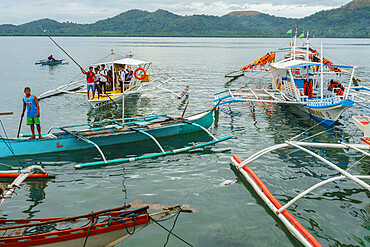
[{"x": 338, "y": 214}]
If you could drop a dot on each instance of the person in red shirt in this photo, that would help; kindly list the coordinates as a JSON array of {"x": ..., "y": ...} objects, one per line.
[{"x": 90, "y": 81}]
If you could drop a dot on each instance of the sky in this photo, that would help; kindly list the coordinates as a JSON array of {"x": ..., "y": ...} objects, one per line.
[{"x": 89, "y": 11}]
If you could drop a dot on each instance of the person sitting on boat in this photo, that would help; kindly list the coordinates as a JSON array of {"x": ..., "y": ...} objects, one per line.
[
  {"x": 90, "y": 81},
  {"x": 121, "y": 77},
  {"x": 337, "y": 86},
  {"x": 51, "y": 59},
  {"x": 308, "y": 88},
  {"x": 128, "y": 77},
  {"x": 103, "y": 78},
  {"x": 96, "y": 81},
  {"x": 31, "y": 103}
]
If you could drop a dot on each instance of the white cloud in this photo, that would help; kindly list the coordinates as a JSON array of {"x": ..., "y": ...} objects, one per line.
[
  {"x": 88, "y": 11},
  {"x": 221, "y": 8}
]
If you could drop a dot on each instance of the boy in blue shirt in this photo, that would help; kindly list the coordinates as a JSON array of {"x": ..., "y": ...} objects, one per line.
[{"x": 31, "y": 103}]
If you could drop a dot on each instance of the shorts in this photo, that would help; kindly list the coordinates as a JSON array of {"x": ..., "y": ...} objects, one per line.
[
  {"x": 90, "y": 85},
  {"x": 101, "y": 87},
  {"x": 33, "y": 120}
]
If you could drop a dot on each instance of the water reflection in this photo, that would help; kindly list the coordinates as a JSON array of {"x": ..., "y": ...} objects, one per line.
[
  {"x": 36, "y": 196},
  {"x": 110, "y": 111}
]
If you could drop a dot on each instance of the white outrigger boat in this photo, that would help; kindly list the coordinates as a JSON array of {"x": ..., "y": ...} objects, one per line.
[
  {"x": 298, "y": 230},
  {"x": 301, "y": 79},
  {"x": 141, "y": 79},
  {"x": 141, "y": 72}
]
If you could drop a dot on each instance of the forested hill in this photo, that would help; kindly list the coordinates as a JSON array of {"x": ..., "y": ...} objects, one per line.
[{"x": 350, "y": 20}]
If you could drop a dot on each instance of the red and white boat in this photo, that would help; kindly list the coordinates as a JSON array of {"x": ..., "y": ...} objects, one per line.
[{"x": 104, "y": 228}]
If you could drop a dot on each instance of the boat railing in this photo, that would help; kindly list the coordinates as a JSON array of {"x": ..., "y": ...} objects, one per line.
[
  {"x": 324, "y": 102},
  {"x": 140, "y": 118}
]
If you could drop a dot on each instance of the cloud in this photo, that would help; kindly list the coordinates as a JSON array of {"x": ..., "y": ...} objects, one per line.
[
  {"x": 88, "y": 11},
  {"x": 222, "y": 8}
]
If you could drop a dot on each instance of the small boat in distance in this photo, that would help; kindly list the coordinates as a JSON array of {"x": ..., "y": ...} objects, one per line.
[{"x": 54, "y": 62}]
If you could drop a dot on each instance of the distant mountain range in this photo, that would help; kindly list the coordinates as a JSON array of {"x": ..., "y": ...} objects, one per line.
[{"x": 350, "y": 21}]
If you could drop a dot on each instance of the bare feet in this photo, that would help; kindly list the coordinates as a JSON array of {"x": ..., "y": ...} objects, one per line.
[
  {"x": 40, "y": 137},
  {"x": 32, "y": 137}
]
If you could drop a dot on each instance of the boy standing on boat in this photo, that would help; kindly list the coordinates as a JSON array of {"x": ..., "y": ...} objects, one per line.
[
  {"x": 31, "y": 103},
  {"x": 90, "y": 81}
]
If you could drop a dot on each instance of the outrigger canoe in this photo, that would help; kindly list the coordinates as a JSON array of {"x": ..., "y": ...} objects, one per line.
[
  {"x": 104, "y": 228},
  {"x": 146, "y": 128},
  {"x": 46, "y": 62}
]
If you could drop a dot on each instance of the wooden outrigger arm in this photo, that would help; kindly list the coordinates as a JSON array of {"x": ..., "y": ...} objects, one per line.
[{"x": 86, "y": 140}]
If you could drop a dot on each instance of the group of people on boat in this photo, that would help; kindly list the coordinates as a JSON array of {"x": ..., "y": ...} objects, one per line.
[
  {"x": 268, "y": 58},
  {"x": 100, "y": 80}
]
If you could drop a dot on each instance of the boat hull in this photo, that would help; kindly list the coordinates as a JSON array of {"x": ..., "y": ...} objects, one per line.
[
  {"x": 328, "y": 115},
  {"x": 109, "y": 229},
  {"x": 65, "y": 142},
  {"x": 56, "y": 62}
]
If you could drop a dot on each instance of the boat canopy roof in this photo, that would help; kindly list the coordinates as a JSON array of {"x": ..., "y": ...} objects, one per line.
[
  {"x": 127, "y": 61},
  {"x": 302, "y": 63}
]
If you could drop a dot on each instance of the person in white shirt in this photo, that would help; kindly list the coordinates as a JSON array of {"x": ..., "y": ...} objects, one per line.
[
  {"x": 121, "y": 78},
  {"x": 103, "y": 78}
]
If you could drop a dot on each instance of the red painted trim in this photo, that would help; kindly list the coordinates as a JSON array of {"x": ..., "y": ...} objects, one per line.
[
  {"x": 366, "y": 140},
  {"x": 277, "y": 204},
  {"x": 14, "y": 175}
]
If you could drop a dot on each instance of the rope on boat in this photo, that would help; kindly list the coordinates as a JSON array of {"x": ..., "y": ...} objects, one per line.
[
  {"x": 173, "y": 226},
  {"x": 170, "y": 231},
  {"x": 8, "y": 145}
]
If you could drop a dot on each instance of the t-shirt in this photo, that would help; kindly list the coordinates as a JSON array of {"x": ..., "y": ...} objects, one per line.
[
  {"x": 122, "y": 74},
  {"x": 90, "y": 77},
  {"x": 97, "y": 77},
  {"x": 101, "y": 73},
  {"x": 30, "y": 106}
]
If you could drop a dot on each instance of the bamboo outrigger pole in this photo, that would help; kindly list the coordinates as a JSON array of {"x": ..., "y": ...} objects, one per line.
[{"x": 79, "y": 66}]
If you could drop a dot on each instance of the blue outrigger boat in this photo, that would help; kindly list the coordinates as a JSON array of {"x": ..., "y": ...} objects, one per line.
[
  {"x": 111, "y": 132},
  {"x": 47, "y": 62}
]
